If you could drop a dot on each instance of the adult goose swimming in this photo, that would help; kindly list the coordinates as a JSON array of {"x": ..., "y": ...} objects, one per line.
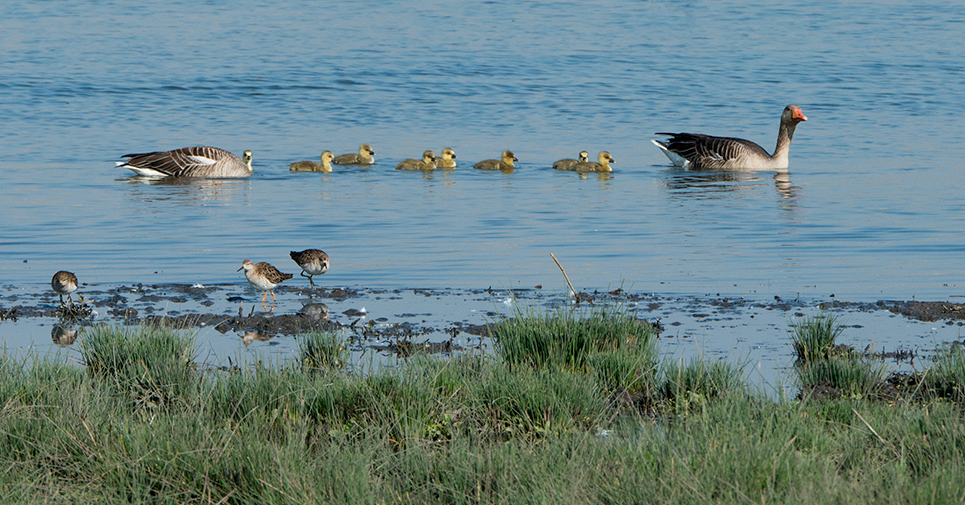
[
  {"x": 705, "y": 152},
  {"x": 199, "y": 161}
]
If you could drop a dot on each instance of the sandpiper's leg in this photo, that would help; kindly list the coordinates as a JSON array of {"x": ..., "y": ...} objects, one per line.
[
  {"x": 273, "y": 300},
  {"x": 264, "y": 297},
  {"x": 311, "y": 281}
]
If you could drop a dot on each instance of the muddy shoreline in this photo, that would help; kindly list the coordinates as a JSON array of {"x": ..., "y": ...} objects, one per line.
[
  {"x": 401, "y": 322},
  {"x": 138, "y": 304}
]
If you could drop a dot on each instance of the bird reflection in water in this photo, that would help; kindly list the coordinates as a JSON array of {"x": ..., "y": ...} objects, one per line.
[
  {"x": 189, "y": 190},
  {"x": 252, "y": 336},
  {"x": 63, "y": 335},
  {"x": 787, "y": 191},
  {"x": 315, "y": 311},
  {"x": 600, "y": 176},
  {"x": 717, "y": 184}
]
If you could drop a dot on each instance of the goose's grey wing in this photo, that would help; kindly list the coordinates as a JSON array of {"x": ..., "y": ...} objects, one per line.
[
  {"x": 709, "y": 152},
  {"x": 184, "y": 162}
]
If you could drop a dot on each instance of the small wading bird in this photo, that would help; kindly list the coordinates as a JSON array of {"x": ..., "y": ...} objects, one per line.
[
  {"x": 312, "y": 261},
  {"x": 199, "y": 161},
  {"x": 263, "y": 277},
  {"x": 64, "y": 283},
  {"x": 705, "y": 152}
]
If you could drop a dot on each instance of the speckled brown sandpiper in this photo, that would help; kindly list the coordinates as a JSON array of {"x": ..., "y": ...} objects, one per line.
[
  {"x": 312, "y": 261},
  {"x": 64, "y": 283},
  {"x": 263, "y": 277}
]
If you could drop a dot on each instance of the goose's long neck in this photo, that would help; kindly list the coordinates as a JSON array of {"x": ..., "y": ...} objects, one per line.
[{"x": 784, "y": 136}]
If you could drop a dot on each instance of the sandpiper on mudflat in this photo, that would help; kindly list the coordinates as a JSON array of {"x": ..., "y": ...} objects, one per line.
[
  {"x": 64, "y": 283},
  {"x": 263, "y": 277},
  {"x": 312, "y": 261}
]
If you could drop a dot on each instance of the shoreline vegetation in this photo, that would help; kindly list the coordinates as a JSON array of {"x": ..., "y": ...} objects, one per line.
[{"x": 575, "y": 406}]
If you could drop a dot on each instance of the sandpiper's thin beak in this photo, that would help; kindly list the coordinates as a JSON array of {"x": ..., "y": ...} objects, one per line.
[{"x": 240, "y": 269}]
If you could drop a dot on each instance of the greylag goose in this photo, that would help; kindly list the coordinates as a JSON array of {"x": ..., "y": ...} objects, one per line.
[
  {"x": 199, "y": 161},
  {"x": 603, "y": 165},
  {"x": 312, "y": 261},
  {"x": 365, "y": 156},
  {"x": 703, "y": 152},
  {"x": 428, "y": 162},
  {"x": 506, "y": 163},
  {"x": 310, "y": 166},
  {"x": 567, "y": 163},
  {"x": 447, "y": 160}
]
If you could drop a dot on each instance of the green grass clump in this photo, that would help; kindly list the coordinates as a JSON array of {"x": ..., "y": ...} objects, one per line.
[
  {"x": 154, "y": 365},
  {"x": 468, "y": 429},
  {"x": 322, "y": 350},
  {"x": 566, "y": 338},
  {"x": 947, "y": 379},
  {"x": 626, "y": 369},
  {"x": 694, "y": 384},
  {"x": 854, "y": 377},
  {"x": 814, "y": 336}
]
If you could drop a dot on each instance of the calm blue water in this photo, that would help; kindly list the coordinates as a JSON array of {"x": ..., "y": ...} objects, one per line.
[{"x": 870, "y": 209}]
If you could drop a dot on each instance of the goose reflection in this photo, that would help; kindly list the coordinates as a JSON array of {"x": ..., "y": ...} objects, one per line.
[
  {"x": 688, "y": 184},
  {"x": 698, "y": 184},
  {"x": 600, "y": 176},
  {"x": 191, "y": 191},
  {"x": 782, "y": 181}
]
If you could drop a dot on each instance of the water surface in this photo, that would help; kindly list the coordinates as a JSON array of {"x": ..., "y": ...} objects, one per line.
[{"x": 869, "y": 209}]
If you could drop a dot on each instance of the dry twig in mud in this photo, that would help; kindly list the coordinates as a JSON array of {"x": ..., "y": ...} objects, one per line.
[{"x": 572, "y": 291}]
